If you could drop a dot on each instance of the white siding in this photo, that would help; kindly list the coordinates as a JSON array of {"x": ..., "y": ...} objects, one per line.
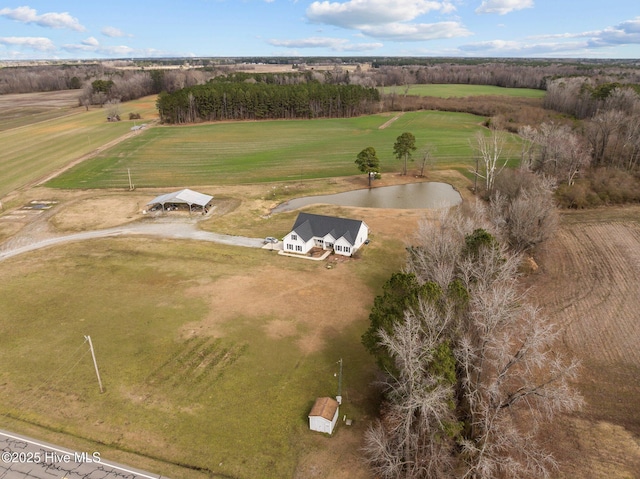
[
  {"x": 320, "y": 424},
  {"x": 343, "y": 247},
  {"x": 297, "y": 245}
]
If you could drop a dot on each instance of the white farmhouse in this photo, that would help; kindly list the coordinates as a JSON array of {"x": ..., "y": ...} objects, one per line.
[
  {"x": 343, "y": 236},
  {"x": 324, "y": 415}
]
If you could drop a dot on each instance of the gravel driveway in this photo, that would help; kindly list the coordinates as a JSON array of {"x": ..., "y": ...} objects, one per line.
[{"x": 176, "y": 230}]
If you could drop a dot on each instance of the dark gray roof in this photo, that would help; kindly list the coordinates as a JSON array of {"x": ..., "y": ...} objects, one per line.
[{"x": 308, "y": 225}]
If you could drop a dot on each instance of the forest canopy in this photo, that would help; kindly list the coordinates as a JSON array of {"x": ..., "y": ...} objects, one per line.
[{"x": 255, "y": 101}]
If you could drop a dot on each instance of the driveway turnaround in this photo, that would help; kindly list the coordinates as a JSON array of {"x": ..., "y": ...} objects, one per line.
[{"x": 25, "y": 458}]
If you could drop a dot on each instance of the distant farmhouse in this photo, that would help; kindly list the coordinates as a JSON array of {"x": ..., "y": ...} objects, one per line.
[{"x": 343, "y": 236}]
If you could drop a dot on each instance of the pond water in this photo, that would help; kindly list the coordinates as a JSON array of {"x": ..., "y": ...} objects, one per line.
[{"x": 410, "y": 196}]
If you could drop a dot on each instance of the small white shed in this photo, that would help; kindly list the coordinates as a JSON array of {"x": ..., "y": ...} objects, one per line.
[{"x": 324, "y": 415}]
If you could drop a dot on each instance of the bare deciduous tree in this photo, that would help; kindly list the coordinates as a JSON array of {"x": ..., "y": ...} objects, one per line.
[
  {"x": 511, "y": 377},
  {"x": 113, "y": 109},
  {"x": 601, "y": 131},
  {"x": 527, "y": 219},
  {"x": 490, "y": 153},
  {"x": 426, "y": 157},
  {"x": 505, "y": 376},
  {"x": 414, "y": 439}
]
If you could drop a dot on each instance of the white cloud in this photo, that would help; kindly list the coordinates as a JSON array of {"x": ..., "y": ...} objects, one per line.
[
  {"x": 92, "y": 45},
  {"x": 334, "y": 44},
  {"x": 624, "y": 33},
  {"x": 49, "y": 20},
  {"x": 41, "y": 44},
  {"x": 91, "y": 41},
  {"x": 414, "y": 32},
  {"x": 388, "y": 19},
  {"x": 113, "y": 32},
  {"x": 509, "y": 48},
  {"x": 355, "y": 13},
  {"x": 502, "y": 7},
  {"x": 589, "y": 43}
]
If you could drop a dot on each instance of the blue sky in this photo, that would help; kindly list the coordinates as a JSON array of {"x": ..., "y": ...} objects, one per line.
[{"x": 221, "y": 28}]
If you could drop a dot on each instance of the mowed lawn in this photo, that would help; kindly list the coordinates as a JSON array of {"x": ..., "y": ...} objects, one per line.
[
  {"x": 266, "y": 151},
  {"x": 32, "y": 151},
  {"x": 211, "y": 356},
  {"x": 461, "y": 91}
]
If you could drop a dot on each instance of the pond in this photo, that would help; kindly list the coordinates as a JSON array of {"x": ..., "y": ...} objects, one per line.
[{"x": 410, "y": 196}]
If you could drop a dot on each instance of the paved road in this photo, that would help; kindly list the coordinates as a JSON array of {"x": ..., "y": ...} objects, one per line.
[
  {"x": 25, "y": 458},
  {"x": 164, "y": 230}
]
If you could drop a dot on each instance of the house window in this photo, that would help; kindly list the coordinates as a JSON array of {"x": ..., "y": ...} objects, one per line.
[
  {"x": 290, "y": 246},
  {"x": 294, "y": 237},
  {"x": 338, "y": 248},
  {"x": 298, "y": 248},
  {"x": 347, "y": 249}
]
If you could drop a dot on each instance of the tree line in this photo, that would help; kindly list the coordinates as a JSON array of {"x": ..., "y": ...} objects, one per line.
[
  {"x": 470, "y": 368},
  {"x": 253, "y": 101}
]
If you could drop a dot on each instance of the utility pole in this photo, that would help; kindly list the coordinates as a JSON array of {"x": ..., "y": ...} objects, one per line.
[
  {"x": 339, "y": 396},
  {"x": 131, "y": 188},
  {"x": 95, "y": 363}
]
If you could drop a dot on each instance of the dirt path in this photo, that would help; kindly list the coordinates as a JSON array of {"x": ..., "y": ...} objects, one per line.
[{"x": 388, "y": 122}]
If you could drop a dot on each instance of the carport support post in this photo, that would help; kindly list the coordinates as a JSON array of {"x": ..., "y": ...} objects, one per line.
[{"x": 95, "y": 363}]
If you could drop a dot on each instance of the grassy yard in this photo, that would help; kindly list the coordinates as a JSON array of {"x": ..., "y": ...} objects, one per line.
[
  {"x": 267, "y": 151},
  {"x": 211, "y": 356},
  {"x": 461, "y": 91},
  {"x": 49, "y": 141}
]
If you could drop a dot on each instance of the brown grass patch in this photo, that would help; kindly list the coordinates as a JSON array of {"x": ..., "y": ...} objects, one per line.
[
  {"x": 99, "y": 212},
  {"x": 312, "y": 304}
]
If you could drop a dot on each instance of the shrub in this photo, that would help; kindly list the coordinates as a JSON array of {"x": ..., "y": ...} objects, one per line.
[{"x": 602, "y": 186}]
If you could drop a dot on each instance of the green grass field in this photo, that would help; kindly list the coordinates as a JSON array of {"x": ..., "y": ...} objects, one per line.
[
  {"x": 31, "y": 151},
  {"x": 249, "y": 152},
  {"x": 461, "y": 91},
  {"x": 233, "y": 404}
]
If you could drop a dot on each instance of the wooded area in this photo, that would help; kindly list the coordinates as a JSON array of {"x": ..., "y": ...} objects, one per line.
[{"x": 254, "y": 101}]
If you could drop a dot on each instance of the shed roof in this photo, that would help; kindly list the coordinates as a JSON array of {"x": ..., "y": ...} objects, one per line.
[
  {"x": 325, "y": 407},
  {"x": 185, "y": 196},
  {"x": 308, "y": 225}
]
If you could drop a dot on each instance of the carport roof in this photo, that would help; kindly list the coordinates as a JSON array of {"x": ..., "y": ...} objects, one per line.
[{"x": 185, "y": 196}]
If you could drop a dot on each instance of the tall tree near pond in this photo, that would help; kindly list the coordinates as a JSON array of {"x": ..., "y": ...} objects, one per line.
[
  {"x": 426, "y": 158},
  {"x": 490, "y": 154},
  {"x": 368, "y": 162},
  {"x": 404, "y": 146}
]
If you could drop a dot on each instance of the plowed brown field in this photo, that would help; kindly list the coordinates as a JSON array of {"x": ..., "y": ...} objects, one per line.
[{"x": 590, "y": 284}]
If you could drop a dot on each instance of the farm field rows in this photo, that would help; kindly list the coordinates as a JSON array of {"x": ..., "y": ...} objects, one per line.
[
  {"x": 24, "y": 109},
  {"x": 31, "y": 151},
  {"x": 267, "y": 151},
  {"x": 590, "y": 285}
]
